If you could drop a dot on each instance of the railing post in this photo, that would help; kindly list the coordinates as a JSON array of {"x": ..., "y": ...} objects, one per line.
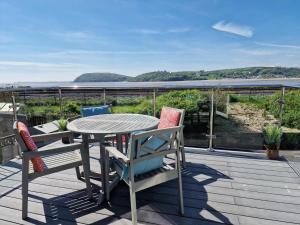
[
  {"x": 14, "y": 107},
  {"x": 211, "y": 122},
  {"x": 281, "y": 102},
  {"x": 60, "y": 102},
  {"x": 104, "y": 96},
  {"x": 154, "y": 102}
]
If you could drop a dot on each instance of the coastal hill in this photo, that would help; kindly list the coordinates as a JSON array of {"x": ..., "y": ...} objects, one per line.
[
  {"x": 240, "y": 73},
  {"x": 100, "y": 77}
]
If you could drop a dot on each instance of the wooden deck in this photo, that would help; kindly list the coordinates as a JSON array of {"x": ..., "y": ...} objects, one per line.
[{"x": 219, "y": 188}]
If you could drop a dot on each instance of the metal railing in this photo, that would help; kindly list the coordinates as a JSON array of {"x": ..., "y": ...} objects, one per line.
[{"x": 64, "y": 95}]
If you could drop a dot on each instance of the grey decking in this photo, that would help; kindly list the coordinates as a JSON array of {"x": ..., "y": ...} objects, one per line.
[{"x": 218, "y": 188}]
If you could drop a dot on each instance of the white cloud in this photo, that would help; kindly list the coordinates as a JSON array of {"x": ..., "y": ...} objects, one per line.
[
  {"x": 72, "y": 35},
  {"x": 157, "y": 31},
  {"x": 147, "y": 31},
  {"x": 36, "y": 64},
  {"x": 241, "y": 30},
  {"x": 179, "y": 30},
  {"x": 278, "y": 45},
  {"x": 257, "y": 52}
]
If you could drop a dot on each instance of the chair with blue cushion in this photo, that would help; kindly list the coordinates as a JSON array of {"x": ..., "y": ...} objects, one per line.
[
  {"x": 143, "y": 166},
  {"x": 95, "y": 110}
]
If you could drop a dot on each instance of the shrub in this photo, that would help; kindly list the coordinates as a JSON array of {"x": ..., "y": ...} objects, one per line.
[{"x": 187, "y": 99}]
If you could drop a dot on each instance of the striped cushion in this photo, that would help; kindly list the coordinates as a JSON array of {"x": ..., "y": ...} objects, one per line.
[
  {"x": 37, "y": 162},
  {"x": 169, "y": 118}
]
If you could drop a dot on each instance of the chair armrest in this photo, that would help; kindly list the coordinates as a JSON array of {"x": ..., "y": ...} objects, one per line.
[
  {"x": 117, "y": 154},
  {"x": 53, "y": 150},
  {"x": 52, "y": 136}
]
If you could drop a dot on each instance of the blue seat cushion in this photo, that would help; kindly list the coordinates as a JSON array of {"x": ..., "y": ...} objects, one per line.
[
  {"x": 145, "y": 165},
  {"x": 93, "y": 111}
]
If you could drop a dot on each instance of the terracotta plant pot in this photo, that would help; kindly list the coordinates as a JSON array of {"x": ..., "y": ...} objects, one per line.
[{"x": 272, "y": 153}]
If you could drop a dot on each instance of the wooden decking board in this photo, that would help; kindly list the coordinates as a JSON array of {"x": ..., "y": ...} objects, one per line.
[
  {"x": 204, "y": 164},
  {"x": 216, "y": 189},
  {"x": 213, "y": 204}
]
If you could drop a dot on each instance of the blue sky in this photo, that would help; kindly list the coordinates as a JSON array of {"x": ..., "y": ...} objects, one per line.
[{"x": 57, "y": 40}]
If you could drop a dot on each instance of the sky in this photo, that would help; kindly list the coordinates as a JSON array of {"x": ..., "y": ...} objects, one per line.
[{"x": 57, "y": 40}]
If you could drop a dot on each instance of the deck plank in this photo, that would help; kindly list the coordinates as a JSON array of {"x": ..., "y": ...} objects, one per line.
[{"x": 218, "y": 189}]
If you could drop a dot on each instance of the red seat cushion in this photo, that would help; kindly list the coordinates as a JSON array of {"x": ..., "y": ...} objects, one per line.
[
  {"x": 169, "y": 118},
  {"x": 37, "y": 162}
]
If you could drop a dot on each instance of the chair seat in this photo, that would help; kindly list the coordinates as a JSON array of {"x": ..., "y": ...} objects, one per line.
[{"x": 57, "y": 160}]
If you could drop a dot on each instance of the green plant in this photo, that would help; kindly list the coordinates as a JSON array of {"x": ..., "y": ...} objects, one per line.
[
  {"x": 187, "y": 99},
  {"x": 62, "y": 124},
  {"x": 272, "y": 136}
]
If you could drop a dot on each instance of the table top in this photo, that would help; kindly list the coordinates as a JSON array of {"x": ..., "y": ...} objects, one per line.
[{"x": 113, "y": 124}]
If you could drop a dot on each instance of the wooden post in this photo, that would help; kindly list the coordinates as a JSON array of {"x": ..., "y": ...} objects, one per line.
[
  {"x": 60, "y": 102},
  {"x": 281, "y": 102},
  {"x": 154, "y": 102}
]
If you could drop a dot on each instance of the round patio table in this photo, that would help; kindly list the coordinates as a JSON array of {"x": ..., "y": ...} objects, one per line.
[{"x": 103, "y": 125}]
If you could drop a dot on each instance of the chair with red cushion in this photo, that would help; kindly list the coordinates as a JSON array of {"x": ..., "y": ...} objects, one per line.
[
  {"x": 37, "y": 162},
  {"x": 172, "y": 117}
]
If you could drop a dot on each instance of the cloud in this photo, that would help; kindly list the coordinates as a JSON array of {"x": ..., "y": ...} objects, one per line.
[
  {"x": 36, "y": 64},
  {"x": 278, "y": 45},
  {"x": 147, "y": 31},
  {"x": 179, "y": 30},
  {"x": 257, "y": 52},
  {"x": 157, "y": 31},
  {"x": 244, "y": 31},
  {"x": 72, "y": 35}
]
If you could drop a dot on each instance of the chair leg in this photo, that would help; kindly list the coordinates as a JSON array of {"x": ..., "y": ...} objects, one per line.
[
  {"x": 182, "y": 156},
  {"x": 180, "y": 192},
  {"x": 25, "y": 181},
  {"x": 182, "y": 149},
  {"x": 133, "y": 206},
  {"x": 78, "y": 172},
  {"x": 132, "y": 196}
]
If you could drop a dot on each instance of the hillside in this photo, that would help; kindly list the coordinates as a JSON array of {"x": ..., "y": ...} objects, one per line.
[
  {"x": 241, "y": 73},
  {"x": 100, "y": 77}
]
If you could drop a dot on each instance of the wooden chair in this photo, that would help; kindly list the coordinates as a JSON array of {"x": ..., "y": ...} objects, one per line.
[
  {"x": 181, "y": 137},
  {"x": 141, "y": 149},
  {"x": 55, "y": 159}
]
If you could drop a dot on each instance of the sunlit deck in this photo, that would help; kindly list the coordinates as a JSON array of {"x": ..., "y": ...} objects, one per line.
[{"x": 219, "y": 188}]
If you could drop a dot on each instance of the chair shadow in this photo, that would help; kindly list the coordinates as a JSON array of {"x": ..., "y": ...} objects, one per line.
[{"x": 160, "y": 203}]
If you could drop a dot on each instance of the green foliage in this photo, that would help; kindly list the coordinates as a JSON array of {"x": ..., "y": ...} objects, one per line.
[
  {"x": 187, "y": 99},
  {"x": 62, "y": 124},
  {"x": 272, "y": 136},
  {"x": 72, "y": 108}
]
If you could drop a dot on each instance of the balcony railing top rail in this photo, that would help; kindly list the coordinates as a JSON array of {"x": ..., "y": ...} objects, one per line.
[{"x": 198, "y": 84}]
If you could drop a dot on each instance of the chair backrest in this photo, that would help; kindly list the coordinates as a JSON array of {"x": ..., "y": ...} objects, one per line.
[
  {"x": 168, "y": 117},
  {"x": 95, "y": 110},
  {"x": 150, "y": 144},
  {"x": 19, "y": 138}
]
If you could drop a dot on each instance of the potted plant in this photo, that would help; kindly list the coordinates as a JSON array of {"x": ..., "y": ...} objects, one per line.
[
  {"x": 272, "y": 138},
  {"x": 62, "y": 126}
]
